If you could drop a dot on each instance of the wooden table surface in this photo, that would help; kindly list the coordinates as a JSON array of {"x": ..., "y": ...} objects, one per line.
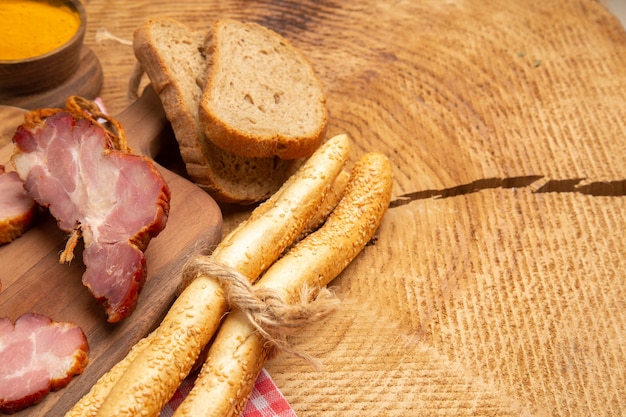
[{"x": 497, "y": 281}]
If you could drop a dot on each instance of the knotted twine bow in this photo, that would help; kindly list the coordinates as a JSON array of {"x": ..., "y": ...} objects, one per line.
[{"x": 267, "y": 309}]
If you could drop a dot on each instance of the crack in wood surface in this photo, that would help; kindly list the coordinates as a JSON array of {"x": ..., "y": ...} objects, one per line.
[{"x": 616, "y": 188}]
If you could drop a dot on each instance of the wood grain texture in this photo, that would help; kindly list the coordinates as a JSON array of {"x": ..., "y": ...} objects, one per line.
[
  {"x": 495, "y": 285},
  {"x": 33, "y": 280}
]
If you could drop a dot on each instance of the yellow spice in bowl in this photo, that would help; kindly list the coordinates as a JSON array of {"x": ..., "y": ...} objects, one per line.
[{"x": 34, "y": 28}]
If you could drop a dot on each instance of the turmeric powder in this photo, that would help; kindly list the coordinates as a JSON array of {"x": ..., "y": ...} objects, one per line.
[{"x": 33, "y": 28}]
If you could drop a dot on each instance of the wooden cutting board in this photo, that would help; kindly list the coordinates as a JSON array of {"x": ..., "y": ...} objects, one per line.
[
  {"x": 33, "y": 280},
  {"x": 495, "y": 285}
]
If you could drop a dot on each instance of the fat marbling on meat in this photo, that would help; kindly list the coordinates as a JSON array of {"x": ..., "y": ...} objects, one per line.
[
  {"x": 17, "y": 208},
  {"x": 37, "y": 355},
  {"x": 116, "y": 201}
]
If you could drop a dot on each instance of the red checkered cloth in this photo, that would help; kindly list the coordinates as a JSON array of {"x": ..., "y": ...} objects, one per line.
[{"x": 265, "y": 399}]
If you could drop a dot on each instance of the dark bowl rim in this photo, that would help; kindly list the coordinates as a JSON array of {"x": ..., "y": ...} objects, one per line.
[{"x": 77, "y": 5}]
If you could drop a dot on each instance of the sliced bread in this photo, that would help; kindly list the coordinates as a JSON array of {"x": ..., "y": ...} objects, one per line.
[
  {"x": 172, "y": 55},
  {"x": 261, "y": 97}
]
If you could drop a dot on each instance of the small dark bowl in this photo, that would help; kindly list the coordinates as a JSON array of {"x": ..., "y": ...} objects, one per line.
[{"x": 49, "y": 70}]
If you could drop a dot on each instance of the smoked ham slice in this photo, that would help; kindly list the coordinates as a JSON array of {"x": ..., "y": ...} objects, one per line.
[
  {"x": 17, "y": 208},
  {"x": 115, "y": 200},
  {"x": 37, "y": 355}
]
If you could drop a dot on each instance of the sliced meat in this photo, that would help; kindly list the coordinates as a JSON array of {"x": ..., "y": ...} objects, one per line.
[
  {"x": 17, "y": 208},
  {"x": 37, "y": 355},
  {"x": 117, "y": 201}
]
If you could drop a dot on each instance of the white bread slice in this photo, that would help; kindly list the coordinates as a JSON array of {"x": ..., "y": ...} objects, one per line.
[
  {"x": 262, "y": 97},
  {"x": 171, "y": 54}
]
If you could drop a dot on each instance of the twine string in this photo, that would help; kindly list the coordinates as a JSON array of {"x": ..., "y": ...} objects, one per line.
[{"x": 267, "y": 309}]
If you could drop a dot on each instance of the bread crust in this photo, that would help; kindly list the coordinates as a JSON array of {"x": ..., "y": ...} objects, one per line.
[
  {"x": 238, "y": 352},
  {"x": 129, "y": 388},
  {"x": 227, "y": 177},
  {"x": 246, "y": 131}
]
